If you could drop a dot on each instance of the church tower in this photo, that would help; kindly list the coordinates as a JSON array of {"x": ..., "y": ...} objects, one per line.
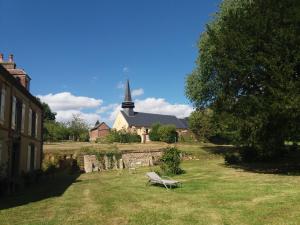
[{"x": 128, "y": 104}]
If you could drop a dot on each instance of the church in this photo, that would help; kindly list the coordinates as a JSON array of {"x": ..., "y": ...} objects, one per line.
[{"x": 141, "y": 122}]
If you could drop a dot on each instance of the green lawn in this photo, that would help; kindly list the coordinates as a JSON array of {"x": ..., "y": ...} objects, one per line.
[{"x": 212, "y": 193}]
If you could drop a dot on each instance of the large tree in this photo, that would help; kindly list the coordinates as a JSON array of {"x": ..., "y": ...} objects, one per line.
[
  {"x": 248, "y": 67},
  {"x": 47, "y": 112}
]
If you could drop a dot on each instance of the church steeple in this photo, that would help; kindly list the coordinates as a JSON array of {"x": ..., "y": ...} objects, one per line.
[{"x": 128, "y": 104}]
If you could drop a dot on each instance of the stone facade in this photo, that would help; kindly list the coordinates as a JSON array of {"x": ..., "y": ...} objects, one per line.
[{"x": 20, "y": 123}]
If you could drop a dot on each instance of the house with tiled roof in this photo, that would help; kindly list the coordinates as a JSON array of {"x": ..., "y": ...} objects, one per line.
[
  {"x": 141, "y": 122},
  {"x": 100, "y": 130}
]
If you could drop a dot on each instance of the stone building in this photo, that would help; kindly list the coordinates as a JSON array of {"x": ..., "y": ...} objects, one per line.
[
  {"x": 100, "y": 130},
  {"x": 20, "y": 122},
  {"x": 140, "y": 122}
]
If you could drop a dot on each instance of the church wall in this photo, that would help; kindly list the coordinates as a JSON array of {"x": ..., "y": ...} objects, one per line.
[{"x": 120, "y": 123}]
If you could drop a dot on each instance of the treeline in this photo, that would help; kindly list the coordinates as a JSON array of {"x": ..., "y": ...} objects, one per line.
[
  {"x": 76, "y": 129},
  {"x": 121, "y": 136}
]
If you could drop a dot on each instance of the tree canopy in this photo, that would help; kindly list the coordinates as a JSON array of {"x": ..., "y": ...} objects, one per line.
[{"x": 248, "y": 67}]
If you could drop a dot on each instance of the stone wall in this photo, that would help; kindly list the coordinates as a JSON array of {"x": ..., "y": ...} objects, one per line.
[
  {"x": 91, "y": 163},
  {"x": 127, "y": 160},
  {"x": 132, "y": 159}
]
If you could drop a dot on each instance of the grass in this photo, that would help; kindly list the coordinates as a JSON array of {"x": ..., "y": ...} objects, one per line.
[
  {"x": 77, "y": 147},
  {"x": 212, "y": 193}
]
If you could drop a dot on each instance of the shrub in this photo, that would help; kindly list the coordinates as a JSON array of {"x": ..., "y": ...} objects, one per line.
[
  {"x": 188, "y": 138},
  {"x": 121, "y": 137},
  {"x": 249, "y": 154},
  {"x": 134, "y": 138},
  {"x": 170, "y": 161},
  {"x": 113, "y": 136},
  {"x": 232, "y": 158},
  {"x": 167, "y": 133},
  {"x": 153, "y": 134},
  {"x": 84, "y": 137}
]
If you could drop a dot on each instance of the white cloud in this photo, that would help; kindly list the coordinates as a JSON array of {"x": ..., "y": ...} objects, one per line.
[
  {"x": 156, "y": 106},
  {"x": 66, "y": 105},
  {"x": 67, "y": 101},
  {"x": 161, "y": 106},
  {"x": 125, "y": 69},
  {"x": 120, "y": 85},
  {"x": 107, "y": 108},
  {"x": 67, "y": 115},
  {"x": 137, "y": 92}
]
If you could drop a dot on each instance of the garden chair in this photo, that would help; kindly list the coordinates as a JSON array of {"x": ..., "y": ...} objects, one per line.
[{"x": 155, "y": 179}]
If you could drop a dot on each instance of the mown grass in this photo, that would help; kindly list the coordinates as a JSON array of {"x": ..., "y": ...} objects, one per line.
[
  {"x": 78, "y": 147},
  {"x": 212, "y": 193}
]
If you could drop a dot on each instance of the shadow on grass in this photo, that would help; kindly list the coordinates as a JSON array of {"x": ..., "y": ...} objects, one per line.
[
  {"x": 46, "y": 188},
  {"x": 289, "y": 164}
]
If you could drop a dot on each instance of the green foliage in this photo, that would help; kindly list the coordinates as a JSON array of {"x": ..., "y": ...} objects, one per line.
[
  {"x": 153, "y": 134},
  {"x": 121, "y": 137},
  {"x": 84, "y": 136},
  {"x": 232, "y": 158},
  {"x": 78, "y": 128},
  {"x": 201, "y": 124},
  {"x": 187, "y": 138},
  {"x": 170, "y": 161},
  {"x": 248, "y": 68},
  {"x": 48, "y": 114},
  {"x": 55, "y": 131},
  {"x": 167, "y": 133}
]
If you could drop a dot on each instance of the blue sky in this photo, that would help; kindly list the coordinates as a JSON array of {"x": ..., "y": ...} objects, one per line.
[{"x": 87, "y": 49}]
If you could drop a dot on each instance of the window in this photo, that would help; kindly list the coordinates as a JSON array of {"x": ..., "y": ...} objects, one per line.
[
  {"x": 2, "y": 103},
  {"x": 35, "y": 158},
  {"x": 29, "y": 122},
  {"x": 16, "y": 115},
  {"x": 33, "y": 126},
  {"x": 31, "y": 158},
  {"x": 1, "y": 150},
  {"x": 13, "y": 113},
  {"x": 33, "y": 123},
  {"x": 36, "y": 124},
  {"x": 23, "y": 117}
]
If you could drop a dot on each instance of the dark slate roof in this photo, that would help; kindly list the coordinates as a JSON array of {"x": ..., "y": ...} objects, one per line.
[
  {"x": 148, "y": 119},
  {"x": 184, "y": 121}
]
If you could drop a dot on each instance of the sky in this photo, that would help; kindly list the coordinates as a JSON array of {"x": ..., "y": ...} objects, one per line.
[{"x": 80, "y": 53}]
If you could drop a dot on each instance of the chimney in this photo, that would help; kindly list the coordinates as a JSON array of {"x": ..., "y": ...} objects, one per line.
[
  {"x": 10, "y": 64},
  {"x": 11, "y": 58}
]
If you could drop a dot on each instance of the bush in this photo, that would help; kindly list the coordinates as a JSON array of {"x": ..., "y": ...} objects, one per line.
[
  {"x": 121, "y": 137},
  {"x": 84, "y": 137},
  {"x": 170, "y": 161},
  {"x": 112, "y": 137},
  {"x": 187, "y": 138},
  {"x": 232, "y": 158},
  {"x": 153, "y": 134},
  {"x": 167, "y": 133}
]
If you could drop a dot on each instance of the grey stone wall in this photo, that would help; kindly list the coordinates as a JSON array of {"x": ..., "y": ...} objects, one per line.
[
  {"x": 136, "y": 159},
  {"x": 128, "y": 160}
]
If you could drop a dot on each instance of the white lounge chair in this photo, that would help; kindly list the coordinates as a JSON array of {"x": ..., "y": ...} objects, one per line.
[{"x": 155, "y": 179}]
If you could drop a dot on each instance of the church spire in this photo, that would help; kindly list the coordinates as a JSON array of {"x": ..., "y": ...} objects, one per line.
[
  {"x": 127, "y": 97},
  {"x": 128, "y": 104}
]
